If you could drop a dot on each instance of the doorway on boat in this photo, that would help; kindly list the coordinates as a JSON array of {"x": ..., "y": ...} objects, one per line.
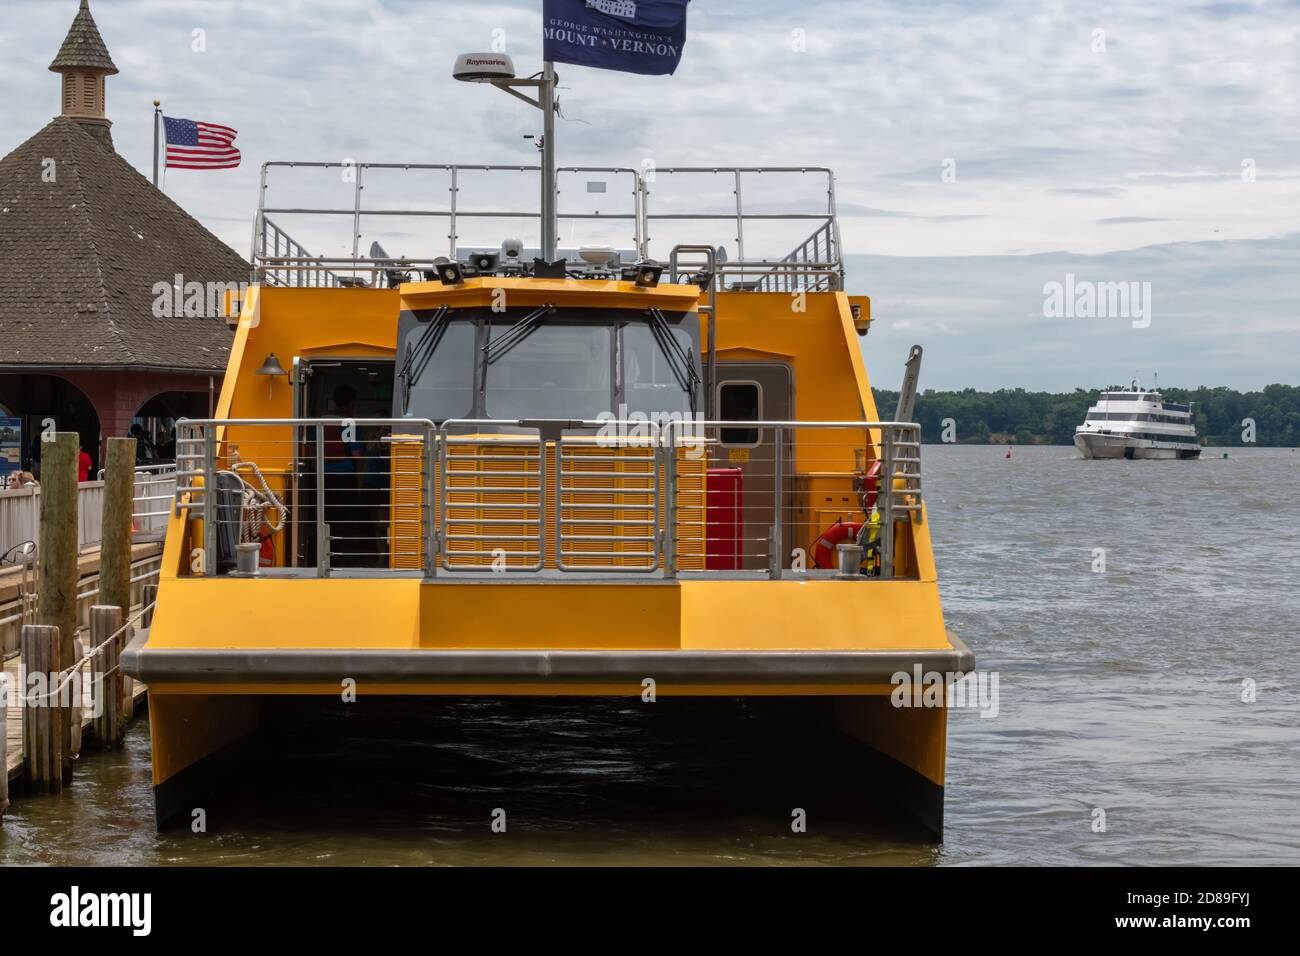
[
  {"x": 358, "y": 478},
  {"x": 756, "y": 391}
]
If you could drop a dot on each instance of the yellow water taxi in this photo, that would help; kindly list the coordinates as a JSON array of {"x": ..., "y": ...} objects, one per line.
[{"x": 540, "y": 468}]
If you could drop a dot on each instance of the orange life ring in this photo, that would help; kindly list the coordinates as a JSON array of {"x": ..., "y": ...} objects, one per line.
[{"x": 838, "y": 533}]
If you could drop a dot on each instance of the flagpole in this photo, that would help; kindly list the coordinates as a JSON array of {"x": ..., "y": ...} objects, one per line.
[
  {"x": 546, "y": 99},
  {"x": 156, "y": 112}
]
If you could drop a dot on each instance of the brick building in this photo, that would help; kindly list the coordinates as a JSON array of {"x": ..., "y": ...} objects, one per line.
[{"x": 86, "y": 245}]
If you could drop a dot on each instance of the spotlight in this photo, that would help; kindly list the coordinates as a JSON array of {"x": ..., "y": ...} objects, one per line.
[
  {"x": 485, "y": 262},
  {"x": 648, "y": 273},
  {"x": 449, "y": 273}
]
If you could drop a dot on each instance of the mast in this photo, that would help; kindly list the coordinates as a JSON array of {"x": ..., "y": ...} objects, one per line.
[{"x": 546, "y": 98}]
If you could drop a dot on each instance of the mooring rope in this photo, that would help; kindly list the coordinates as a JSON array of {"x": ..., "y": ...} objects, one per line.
[{"x": 67, "y": 673}]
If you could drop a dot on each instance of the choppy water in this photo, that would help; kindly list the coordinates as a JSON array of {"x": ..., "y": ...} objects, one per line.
[{"x": 1119, "y": 691}]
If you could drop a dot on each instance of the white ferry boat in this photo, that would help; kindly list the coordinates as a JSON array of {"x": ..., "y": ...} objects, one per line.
[{"x": 1137, "y": 423}]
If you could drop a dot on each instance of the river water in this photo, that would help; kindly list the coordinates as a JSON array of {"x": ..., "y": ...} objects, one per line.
[{"x": 1120, "y": 703}]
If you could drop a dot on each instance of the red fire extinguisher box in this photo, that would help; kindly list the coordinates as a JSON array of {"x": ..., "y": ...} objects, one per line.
[{"x": 723, "y": 513}]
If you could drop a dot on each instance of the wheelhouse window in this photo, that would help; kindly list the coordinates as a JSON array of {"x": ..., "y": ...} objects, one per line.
[
  {"x": 547, "y": 363},
  {"x": 443, "y": 387},
  {"x": 557, "y": 371},
  {"x": 653, "y": 384}
]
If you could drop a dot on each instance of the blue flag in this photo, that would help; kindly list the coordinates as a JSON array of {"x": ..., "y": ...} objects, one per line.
[{"x": 634, "y": 36}]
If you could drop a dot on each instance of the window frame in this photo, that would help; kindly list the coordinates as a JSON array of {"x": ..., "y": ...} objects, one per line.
[{"x": 758, "y": 432}]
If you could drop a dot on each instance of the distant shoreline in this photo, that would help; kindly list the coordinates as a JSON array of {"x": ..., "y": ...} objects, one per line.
[
  {"x": 1070, "y": 444},
  {"x": 1225, "y": 418}
]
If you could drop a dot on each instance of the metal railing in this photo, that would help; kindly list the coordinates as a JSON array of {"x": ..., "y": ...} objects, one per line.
[
  {"x": 795, "y": 482},
  {"x": 273, "y": 245},
  {"x": 815, "y": 264},
  {"x": 327, "y": 490},
  {"x": 454, "y": 213},
  {"x": 810, "y": 267},
  {"x": 547, "y": 497}
]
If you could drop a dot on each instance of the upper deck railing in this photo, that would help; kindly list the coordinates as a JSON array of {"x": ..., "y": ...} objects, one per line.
[{"x": 773, "y": 228}]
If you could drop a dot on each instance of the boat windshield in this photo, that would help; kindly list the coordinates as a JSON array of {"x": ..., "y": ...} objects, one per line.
[
  {"x": 558, "y": 371},
  {"x": 546, "y": 363}
]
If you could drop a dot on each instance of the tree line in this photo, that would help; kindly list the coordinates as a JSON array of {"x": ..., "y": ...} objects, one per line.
[{"x": 1224, "y": 416}]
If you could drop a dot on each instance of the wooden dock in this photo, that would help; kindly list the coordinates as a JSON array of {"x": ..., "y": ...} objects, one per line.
[{"x": 14, "y": 743}]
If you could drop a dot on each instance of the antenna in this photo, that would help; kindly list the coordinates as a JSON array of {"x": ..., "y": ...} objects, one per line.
[{"x": 499, "y": 71}]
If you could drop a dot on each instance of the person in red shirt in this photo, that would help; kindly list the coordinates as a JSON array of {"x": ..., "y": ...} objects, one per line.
[{"x": 83, "y": 466}]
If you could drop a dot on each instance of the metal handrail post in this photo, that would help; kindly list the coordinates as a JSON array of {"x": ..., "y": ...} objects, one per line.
[
  {"x": 454, "y": 189},
  {"x": 431, "y": 457},
  {"x": 669, "y": 450},
  {"x": 886, "y": 497},
  {"x": 777, "y": 557},
  {"x": 740, "y": 221},
  {"x": 356, "y": 212},
  {"x": 210, "y": 501},
  {"x": 834, "y": 225},
  {"x": 322, "y": 529}
]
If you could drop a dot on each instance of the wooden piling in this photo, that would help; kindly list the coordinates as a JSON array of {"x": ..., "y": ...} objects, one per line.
[
  {"x": 5, "y": 690},
  {"x": 57, "y": 602},
  {"x": 119, "y": 505},
  {"x": 106, "y": 675},
  {"x": 43, "y": 731},
  {"x": 75, "y": 691}
]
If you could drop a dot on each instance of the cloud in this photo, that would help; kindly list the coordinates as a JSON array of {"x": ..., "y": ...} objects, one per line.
[
  {"x": 1128, "y": 220},
  {"x": 1222, "y": 313},
  {"x": 1053, "y": 144}
]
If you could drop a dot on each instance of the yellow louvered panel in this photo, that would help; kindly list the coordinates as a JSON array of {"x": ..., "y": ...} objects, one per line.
[
  {"x": 405, "y": 512},
  {"x": 591, "y": 467},
  {"x": 489, "y": 504},
  {"x": 485, "y": 500}
]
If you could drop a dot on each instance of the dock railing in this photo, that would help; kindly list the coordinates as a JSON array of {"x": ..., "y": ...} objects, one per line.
[{"x": 604, "y": 497}]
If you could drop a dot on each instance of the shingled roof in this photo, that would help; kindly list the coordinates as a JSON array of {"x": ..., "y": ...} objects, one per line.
[
  {"x": 80, "y": 256},
  {"x": 83, "y": 48}
]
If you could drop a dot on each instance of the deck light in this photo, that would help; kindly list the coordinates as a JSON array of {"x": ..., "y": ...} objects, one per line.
[
  {"x": 648, "y": 273},
  {"x": 450, "y": 273}
]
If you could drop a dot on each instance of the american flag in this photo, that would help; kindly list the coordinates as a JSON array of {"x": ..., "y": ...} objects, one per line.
[{"x": 192, "y": 145}]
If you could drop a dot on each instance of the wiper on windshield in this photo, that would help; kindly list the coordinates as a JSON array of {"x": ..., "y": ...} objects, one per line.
[
  {"x": 503, "y": 343},
  {"x": 419, "y": 354},
  {"x": 679, "y": 360}
]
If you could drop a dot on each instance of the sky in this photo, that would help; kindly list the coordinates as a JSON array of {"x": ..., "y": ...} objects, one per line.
[{"x": 982, "y": 151}]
